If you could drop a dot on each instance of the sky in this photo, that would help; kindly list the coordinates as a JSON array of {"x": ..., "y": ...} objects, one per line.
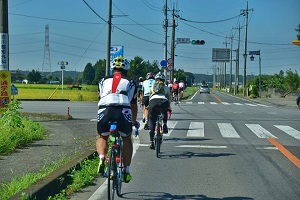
[{"x": 78, "y": 33}]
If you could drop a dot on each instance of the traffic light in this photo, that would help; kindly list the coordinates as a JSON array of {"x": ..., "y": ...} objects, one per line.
[{"x": 198, "y": 42}]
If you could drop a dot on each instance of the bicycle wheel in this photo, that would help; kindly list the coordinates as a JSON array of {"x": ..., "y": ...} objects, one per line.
[
  {"x": 157, "y": 140},
  {"x": 111, "y": 175},
  {"x": 119, "y": 172}
]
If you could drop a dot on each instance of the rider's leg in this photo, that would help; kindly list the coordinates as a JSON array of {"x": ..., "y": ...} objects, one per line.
[{"x": 127, "y": 152}]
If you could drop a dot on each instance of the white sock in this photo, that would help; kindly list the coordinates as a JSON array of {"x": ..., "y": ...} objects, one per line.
[{"x": 127, "y": 169}]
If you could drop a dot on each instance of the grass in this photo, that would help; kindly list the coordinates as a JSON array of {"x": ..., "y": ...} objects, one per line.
[{"x": 48, "y": 91}]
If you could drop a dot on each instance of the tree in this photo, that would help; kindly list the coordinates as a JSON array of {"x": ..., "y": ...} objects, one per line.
[
  {"x": 100, "y": 69},
  {"x": 88, "y": 74},
  {"x": 292, "y": 80},
  {"x": 34, "y": 76},
  {"x": 298, "y": 32}
]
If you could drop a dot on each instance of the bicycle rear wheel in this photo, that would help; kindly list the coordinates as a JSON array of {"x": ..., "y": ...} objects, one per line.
[
  {"x": 158, "y": 140},
  {"x": 119, "y": 172},
  {"x": 111, "y": 175}
]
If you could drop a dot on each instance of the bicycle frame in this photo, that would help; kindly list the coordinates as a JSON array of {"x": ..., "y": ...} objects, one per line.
[{"x": 115, "y": 163}]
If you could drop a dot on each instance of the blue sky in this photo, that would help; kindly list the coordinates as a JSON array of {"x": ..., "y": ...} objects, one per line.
[{"x": 79, "y": 36}]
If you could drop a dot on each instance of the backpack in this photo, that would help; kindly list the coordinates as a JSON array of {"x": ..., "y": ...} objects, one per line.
[{"x": 158, "y": 88}]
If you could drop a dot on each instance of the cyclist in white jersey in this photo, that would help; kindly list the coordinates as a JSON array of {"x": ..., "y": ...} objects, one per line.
[
  {"x": 117, "y": 102},
  {"x": 146, "y": 90}
]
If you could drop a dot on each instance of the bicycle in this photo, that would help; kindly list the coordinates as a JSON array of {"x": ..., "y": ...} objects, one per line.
[
  {"x": 115, "y": 162},
  {"x": 158, "y": 134},
  {"x": 175, "y": 99}
]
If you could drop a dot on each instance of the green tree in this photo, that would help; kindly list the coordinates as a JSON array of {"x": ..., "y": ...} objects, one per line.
[
  {"x": 100, "y": 69},
  {"x": 34, "y": 76},
  {"x": 298, "y": 32},
  {"x": 292, "y": 80},
  {"x": 88, "y": 74}
]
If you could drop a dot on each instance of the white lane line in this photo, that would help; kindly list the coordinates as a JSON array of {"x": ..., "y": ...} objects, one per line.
[
  {"x": 227, "y": 130},
  {"x": 239, "y": 104},
  {"x": 225, "y": 103},
  {"x": 289, "y": 130},
  {"x": 260, "y": 131},
  {"x": 201, "y": 102},
  {"x": 250, "y": 104},
  {"x": 202, "y": 146},
  {"x": 196, "y": 129},
  {"x": 213, "y": 103}
]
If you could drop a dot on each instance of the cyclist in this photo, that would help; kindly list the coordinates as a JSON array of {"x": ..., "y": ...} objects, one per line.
[
  {"x": 175, "y": 90},
  {"x": 146, "y": 89},
  {"x": 139, "y": 90},
  {"x": 181, "y": 89},
  {"x": 159, "y": 99},
  {"x": 117, "y": 102}
]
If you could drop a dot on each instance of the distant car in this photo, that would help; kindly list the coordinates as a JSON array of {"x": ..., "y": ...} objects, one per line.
[{"x": 204, "y": 89}]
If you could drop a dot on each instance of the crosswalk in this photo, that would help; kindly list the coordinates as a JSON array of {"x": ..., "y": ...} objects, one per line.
[
  {"x": 227, "y": 130},
  {"x": 224, "y": 103}
]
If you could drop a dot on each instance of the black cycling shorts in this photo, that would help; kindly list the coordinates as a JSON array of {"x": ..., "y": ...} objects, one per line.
[
  {"x": 146, "y": 101},
  {"x": 122, "y": 115}
]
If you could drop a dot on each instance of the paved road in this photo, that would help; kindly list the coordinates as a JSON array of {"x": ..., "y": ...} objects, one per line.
[{"x": 67, "y": 137}]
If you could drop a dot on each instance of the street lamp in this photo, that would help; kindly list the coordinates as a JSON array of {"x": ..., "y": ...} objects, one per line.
[{"x": 252, "y": 59}]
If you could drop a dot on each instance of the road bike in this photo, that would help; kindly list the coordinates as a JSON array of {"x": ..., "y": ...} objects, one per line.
[
  {"x": 175, "y": 99},
  {"x": 115, "y": 162},
  {"x": 158, "y": 134}
]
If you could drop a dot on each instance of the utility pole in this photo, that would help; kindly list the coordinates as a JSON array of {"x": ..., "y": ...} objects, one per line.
[
  {"x": 173, "y": 45},
  {"x": 108, "y": 38},
  {"x": 166, "y": 35},
  {"x": 236, "y": 82},
  {"x": 230, "y": 76},
  {"x": 4, "y": 52},
  {"x": 245, "y": 13},
  {"x": 225, "y": 64}
]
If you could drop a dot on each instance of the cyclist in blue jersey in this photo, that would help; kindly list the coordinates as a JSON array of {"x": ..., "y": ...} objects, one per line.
[{"x": 146, "y": 90}]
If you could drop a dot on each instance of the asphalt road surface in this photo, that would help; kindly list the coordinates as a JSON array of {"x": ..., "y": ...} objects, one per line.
[{"x": 218, "y": 147}]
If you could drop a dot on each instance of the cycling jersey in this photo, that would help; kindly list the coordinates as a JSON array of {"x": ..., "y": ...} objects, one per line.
[
  {"x": 162, "y": 96},
  {"x": 181, "y": 85},
  {"x": 175, "y": 86},
  {"x": 124, "y": 94},
  {"x": 147, "y": 85}
]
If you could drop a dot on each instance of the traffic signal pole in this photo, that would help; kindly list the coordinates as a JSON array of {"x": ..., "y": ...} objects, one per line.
[{"x": 4, "y": 52}]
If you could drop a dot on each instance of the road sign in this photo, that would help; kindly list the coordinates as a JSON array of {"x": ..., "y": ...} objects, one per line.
[
  {"x": 170, "y": 68},
  {"x": 183, "y": 41},
  {"x": 254, "y": 52},
  {"x": 14, "y": 90},
  {"x": 220, "y": 55},
  {"x": 62, "y": 63},
  {"x": 170, "y": 61},
  {"x": 163, "y": 63}
]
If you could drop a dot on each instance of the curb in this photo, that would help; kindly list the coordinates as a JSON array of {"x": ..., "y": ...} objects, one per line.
[{"x": 55, "y": 182}]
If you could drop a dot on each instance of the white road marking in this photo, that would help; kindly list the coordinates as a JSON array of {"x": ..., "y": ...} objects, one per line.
[
  {"x": 289, "y": 130},
  {"x": 260, "y": 131},
  {"x": 196, "y": 129},
  {"x": 227, "y": 130}
]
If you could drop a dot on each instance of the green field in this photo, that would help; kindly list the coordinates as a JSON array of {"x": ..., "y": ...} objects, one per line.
[{"x": 49, "y": 91}]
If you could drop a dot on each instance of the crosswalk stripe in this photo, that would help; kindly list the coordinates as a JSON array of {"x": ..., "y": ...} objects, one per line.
[
  {"x": 289, "y": 130},
  {"x": 196, "y": 129},
  {"x": 260, "y": 131},
  {"x": 225, "y": 103},
  {"x": 227, "y": 130},
  {"x": 171, "y": 125},
  {"x": 200, "y": 102},
  {"x": 213, "y": 102}
]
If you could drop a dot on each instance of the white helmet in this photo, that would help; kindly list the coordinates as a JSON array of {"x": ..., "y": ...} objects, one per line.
[
  {"x": 160, "y": 76},
  {"x": 120, "y": 63}
]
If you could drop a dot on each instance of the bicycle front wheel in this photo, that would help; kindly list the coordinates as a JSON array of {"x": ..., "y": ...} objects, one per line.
[
  {"x": 119, "y": 172},
  {"x": 111, "y": 175}
]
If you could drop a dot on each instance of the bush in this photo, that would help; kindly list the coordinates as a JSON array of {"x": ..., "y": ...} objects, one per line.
[{"x": 17, "y": 130}]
